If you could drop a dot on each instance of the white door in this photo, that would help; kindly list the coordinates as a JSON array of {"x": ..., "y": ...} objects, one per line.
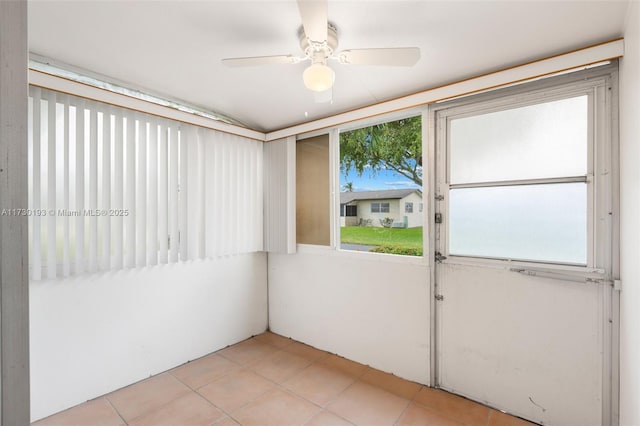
[{"x": 523, "y": 247}]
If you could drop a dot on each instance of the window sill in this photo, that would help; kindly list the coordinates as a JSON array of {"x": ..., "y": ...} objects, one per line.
[{"x": 351, "y": 254}]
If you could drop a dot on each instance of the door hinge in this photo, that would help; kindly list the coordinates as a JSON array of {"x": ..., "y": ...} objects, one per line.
[
  {"x": 439, "y": 197},
  {"x": 439, "y": 297},
  {"x": 438, "y": 257},
  {"x": 617, "y": 285},
  {"x": 438, "y": 218}
]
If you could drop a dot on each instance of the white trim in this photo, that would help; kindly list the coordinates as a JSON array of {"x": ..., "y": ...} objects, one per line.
[
  {"x": 59, "y": 84},
  {"x": 614, "y": 97},
  {"x": 350, "y": 254},
  {"x": 429, "y": 228},
  {"x": 291, "y": 195},
  {"x": 525, "y": 72},
  {"x": 334, "y": 185}
]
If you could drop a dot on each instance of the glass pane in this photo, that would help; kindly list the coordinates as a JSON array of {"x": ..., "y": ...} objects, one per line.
[
  {"x": 380, "y": 174},
  {"x": 537, "y": 141},
  {"x": 526, "y": 222}
]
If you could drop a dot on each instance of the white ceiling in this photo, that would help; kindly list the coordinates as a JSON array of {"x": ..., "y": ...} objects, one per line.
[{"x": 174, "y": 48}]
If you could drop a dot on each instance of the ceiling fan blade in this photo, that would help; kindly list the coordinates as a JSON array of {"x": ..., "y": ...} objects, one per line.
[
  {"x": 314, "y": 18},
  {"x": 261, "y": 60},
  {"x": 398, "y": 56}
]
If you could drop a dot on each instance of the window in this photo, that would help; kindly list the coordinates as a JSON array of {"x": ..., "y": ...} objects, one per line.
[
  {"x": 312, "y": 191},
  {"x": 381, "y": 171},
  {"x": 351, "y": 211},
  {"x": 519, "y": 182},
  {"x": 111, "y": 188},
  {"x": 379, "y": 207}
]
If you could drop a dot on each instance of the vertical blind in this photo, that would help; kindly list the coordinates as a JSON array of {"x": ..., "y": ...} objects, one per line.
[
  {"x": 111, "y": 188},
  {"x": 279, "y": 196}
]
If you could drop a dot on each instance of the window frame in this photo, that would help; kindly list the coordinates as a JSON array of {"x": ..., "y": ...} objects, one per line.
[
  {"x": 334, "y": 147},
  {"x": 381, "y": 207},
  {"x": 515, "y": 103},
  {"x": 600, "y": 85}
]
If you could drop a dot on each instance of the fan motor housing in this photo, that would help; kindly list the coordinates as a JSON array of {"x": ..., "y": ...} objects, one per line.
[{"x": 310, "y": 47}]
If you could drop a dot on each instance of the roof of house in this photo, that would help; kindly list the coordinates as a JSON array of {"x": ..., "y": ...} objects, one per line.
[{"x": 389, "y": 194}]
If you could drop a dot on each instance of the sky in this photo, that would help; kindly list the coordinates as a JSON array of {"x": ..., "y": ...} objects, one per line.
[{"x": 384, "y": 179}]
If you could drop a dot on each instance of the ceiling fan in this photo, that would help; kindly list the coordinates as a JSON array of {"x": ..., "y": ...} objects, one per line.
[{"x": 318, "y": 41}]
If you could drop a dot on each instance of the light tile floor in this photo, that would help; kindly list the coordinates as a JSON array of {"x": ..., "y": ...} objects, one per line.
[{"x": 271, "y": 380}]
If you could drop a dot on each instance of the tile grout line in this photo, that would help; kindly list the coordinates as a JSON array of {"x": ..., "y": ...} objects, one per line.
[
  {"x": 116, "y": 410},
  {"x": 228, "y": 413},
  {"x": 441, "y": 414},
  {"x": 165, "y": 403},
  {"x": 316, "y": 359},
  {"x": 170, "y": 373},
  {"x": 252, "y": 361},
  {"x": 287, "y": 378},
  {"x": 215, "y": 406},
  {"x": 489, "y": 417},
  {"x": 244, "y": 367},
  {"x": 404, "y": 410},
  {"x": 283, "y": 388}
]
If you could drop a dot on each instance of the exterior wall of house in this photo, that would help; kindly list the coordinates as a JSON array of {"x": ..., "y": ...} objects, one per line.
[
  {"x": 630, "y": 220},
  {"x": 364, "y": 211},
  {"x": 414, "y": 219},
  {"x": 396, "y": 212},
  {"x": 93, "y": 334},
  {"x": 349, "y": 221}
]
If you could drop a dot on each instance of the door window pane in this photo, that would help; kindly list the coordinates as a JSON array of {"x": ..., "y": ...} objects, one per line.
[
  {"x": 525, "y": 222},
  {"x": 546, "y": 140}
]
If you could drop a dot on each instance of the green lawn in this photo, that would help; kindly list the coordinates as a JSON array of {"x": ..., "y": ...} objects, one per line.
[{"x": 393, "y": 237}]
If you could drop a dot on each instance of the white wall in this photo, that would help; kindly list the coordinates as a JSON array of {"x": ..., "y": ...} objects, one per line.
[
  {"x": 364, "y": 211},
  {"x": 93, "y": 334},
  {"x": 367, "y": 307},
  {"x": 414, "y": 219},
  {"x": 630, "y": 221}
]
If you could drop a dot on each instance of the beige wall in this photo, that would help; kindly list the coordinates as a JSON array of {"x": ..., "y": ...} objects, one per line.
[
  {"x": 364, "y": 211},
  {"x": 312, "y": 191},
  {"x": 414, "y": 219},
  {"x": 396, "y": 211}
]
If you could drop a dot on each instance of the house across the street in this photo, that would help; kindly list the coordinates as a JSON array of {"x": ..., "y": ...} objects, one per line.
[{"x": 370, "y": 208}]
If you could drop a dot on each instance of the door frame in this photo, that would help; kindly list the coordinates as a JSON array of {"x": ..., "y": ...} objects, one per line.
[{"x": 606, "y": 197}]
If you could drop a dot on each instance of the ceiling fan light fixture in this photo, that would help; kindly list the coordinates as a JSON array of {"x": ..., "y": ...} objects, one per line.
[{"x": 318, "y": 77}]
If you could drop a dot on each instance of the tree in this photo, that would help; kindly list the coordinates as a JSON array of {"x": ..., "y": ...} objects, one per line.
[
  {"x": 348, "y": 187},
  {"x": 396, "y": 145}
]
